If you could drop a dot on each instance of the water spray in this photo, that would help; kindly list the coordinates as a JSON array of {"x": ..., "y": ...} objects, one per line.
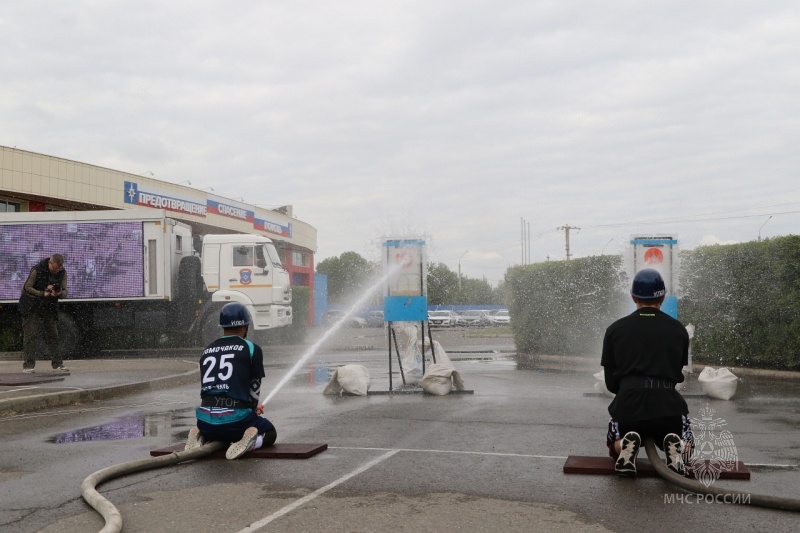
[{"x": 333, "y": 329}]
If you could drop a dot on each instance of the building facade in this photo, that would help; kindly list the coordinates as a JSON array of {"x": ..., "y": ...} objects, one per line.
[{"x": 37, "y": 182}]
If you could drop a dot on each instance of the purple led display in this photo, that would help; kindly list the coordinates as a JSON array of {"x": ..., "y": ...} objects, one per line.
[{"x": 102, "y": 259}]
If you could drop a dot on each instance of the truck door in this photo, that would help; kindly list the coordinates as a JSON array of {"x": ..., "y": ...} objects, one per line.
[{"x": 249, "y": 272}]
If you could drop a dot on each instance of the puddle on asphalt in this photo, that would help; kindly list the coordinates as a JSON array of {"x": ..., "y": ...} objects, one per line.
[{"x": 128, "y": 427}]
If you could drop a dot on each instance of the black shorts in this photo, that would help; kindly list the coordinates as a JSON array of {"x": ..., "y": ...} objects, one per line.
[
  {"x": 233, "y": 431},
  {"x": 657, "y": 428}
]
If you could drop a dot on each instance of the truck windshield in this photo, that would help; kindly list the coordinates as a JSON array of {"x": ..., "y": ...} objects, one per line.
[{"x": 272, "y": 253}]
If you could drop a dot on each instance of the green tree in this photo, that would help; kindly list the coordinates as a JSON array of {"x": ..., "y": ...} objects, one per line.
[
  {"x": 475, "y": 291},
  {"x": 348, "y": 276},
  {"x": 442, "y": 285}
]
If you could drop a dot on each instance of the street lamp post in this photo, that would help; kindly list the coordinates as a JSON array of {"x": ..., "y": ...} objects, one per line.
[{"x": 459, "y": 269}]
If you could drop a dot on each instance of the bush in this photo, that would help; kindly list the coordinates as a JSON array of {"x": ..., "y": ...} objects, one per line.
[
  {"x": 564, "y": 307},
  {"x": 744, "y": 301}
]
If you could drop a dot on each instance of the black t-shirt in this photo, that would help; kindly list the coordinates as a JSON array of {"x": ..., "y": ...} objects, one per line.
[
  {"x": 232, "y": 367},
  {"x": 647, "y": 343}
]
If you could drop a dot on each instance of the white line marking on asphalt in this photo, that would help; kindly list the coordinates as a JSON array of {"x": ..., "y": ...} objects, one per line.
[
  {"x": 497, "y": 454},
  {"x": 305, "y": 499}
]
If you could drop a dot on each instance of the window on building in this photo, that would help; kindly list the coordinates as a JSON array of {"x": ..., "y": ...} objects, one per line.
[
  {"x": 300, "y": 259},
  {"x": 7, "y": 206}
]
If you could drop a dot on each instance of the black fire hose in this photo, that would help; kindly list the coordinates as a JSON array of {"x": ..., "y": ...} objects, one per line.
[
  {"x": 106, "y": 509},
  {"x": 727, "y": 495}
]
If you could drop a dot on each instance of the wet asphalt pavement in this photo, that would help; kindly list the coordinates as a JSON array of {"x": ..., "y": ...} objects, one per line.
[{"x": 488, "y": 461}]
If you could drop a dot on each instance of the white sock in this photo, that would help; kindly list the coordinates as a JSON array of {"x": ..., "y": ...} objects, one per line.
[{"x": 259, "y": 441}]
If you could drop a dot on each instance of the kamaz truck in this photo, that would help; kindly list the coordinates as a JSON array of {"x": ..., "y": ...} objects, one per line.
[{"x": 139, "y": 273}]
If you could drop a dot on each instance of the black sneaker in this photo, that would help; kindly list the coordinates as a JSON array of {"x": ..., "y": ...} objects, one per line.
[
  {"x": 673, "y": 448},
  {"x": 629, "y": 449}
]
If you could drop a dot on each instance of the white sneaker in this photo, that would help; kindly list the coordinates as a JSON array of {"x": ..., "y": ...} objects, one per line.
[
  {"x": 29, "y": 370},
  {"x": 60, "y": 368},
  {"x": 673, "y": 448},
  {"x": 195, "y": 439},
  {"x": 244, "y": 445},
  {"x": 629, "y": 449}
]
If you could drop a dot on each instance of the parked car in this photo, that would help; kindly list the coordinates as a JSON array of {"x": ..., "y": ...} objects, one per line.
[
  {"x": 441, "y": 319},
  {"x": 472, "y": 317},
  {"x": 375, "y": 319},
  {"x": 329, "y": 318},
  {"x": 500, "y": 318}
]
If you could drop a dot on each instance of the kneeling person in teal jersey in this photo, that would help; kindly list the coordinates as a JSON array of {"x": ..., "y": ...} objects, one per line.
[{"x": 231, "y": 369}]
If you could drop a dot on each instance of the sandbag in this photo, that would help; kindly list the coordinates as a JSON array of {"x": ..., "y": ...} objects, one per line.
[
  {"x": 600, "y": 384},
  {"x": 439, "y": 379},
  {"x": 439, "y": 353},
  {"x": 720, "y": 383},
  {"x": 410, "y": 354},
  {"x": 353, "y": 379}
]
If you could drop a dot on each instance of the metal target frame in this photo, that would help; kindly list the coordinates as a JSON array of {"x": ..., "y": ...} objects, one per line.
[{"x": 406, "y": 292}]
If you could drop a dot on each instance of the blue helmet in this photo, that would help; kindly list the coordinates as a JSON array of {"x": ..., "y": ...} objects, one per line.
[
  {"x": 234, "y": 315},
  {"x": 648, "y": 285}
]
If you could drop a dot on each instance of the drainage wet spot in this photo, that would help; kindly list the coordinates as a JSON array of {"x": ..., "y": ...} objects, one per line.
[{"x": 128, "y": 427}]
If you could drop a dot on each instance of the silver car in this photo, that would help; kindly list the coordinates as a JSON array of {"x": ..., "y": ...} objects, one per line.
[
  {"x": 441, "y": 319},
  {"x": 500, "y": 318},
  {"x": 472, "y": 317}
]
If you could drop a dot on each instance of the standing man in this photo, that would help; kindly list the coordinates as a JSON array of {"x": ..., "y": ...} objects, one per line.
[
  {"x": 231, "y": 369},
  {"x": 38, "y": 306},
  {"x": 643, "y": 355}
]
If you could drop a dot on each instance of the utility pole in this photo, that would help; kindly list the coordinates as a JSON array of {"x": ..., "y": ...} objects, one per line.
[
  {"x": 566, "y": 229},
  {"x": 525, "y": 239}
]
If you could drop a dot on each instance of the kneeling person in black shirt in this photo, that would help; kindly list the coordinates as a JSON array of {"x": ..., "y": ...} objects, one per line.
[
  {"x": 231, "y": 369},
  {"x": 643, "y": 355}
]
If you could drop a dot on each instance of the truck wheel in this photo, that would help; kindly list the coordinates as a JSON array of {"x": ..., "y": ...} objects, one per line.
[
  {"x": 69, "y": 336},
  {"x": 190, "y": 280}
]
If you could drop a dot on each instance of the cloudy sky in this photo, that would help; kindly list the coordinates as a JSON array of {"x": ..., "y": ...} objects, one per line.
[{"x": 457, "y": 120}]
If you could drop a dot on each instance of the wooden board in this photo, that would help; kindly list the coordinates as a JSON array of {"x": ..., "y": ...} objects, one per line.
[
  {"x": 37, "y": 378},
  {"x": 276, "y": 451},
  {"x": 588, "y": 465}
]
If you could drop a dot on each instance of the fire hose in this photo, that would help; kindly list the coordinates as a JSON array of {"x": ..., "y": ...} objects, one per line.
[
  {"x": 736, "y": 497},
  {"x": 112, "y": 517}
]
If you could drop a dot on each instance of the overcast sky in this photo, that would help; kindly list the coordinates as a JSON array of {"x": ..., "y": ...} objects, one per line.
[{"x": 450, "y": 119}]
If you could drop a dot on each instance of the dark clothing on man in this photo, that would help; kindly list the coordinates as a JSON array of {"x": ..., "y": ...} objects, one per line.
[
  {"x": 40, "y": 312},
  {"x": 643, "y": 355},
  {"x": 231, "y": 369}
]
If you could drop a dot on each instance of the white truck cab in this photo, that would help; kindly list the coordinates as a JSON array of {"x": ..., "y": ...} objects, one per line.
[{"x": 247, "y": 269}]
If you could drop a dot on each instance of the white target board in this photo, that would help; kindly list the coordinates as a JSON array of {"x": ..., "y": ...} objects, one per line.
[{"x": 407, "y": 260}]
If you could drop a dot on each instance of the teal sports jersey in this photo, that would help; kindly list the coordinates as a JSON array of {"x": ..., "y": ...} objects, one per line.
[{"x": 231, "y": 367}]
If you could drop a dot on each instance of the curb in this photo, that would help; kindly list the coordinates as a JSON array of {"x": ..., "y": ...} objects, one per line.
[{"x": 63, "y": 398}]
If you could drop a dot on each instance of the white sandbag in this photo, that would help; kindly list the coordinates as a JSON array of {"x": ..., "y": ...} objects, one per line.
[
  {"x": 439, "y": 353},
  {"x": 600, "y": 384},
  {"x": 353, "y": 379},
  {"x": 410, "y": 354},
  {"x": 720, "y": 383},
  {"x": 440, "y": 379}
]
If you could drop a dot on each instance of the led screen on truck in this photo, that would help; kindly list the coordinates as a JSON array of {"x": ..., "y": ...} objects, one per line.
[{"x": 102, "y": 259}]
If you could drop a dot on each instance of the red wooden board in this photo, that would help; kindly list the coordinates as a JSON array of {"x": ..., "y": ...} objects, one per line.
[
  {"x": 582, "y": 464},
  {"x": 276, "y": 451}
]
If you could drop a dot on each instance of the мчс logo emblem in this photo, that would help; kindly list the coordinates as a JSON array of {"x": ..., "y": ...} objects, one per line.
[{"x": 714, "y": 449}]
